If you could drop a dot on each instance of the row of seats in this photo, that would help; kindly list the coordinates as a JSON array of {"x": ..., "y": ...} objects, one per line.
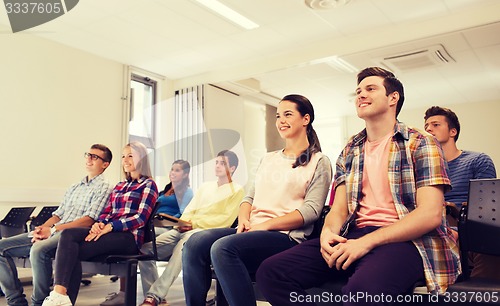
[
  {"x": 17, "y": 219},
  {"x": 16, "y": 222}
]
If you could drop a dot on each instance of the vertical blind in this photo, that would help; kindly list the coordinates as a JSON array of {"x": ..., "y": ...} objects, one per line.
[{"x": 190, "y": 129}]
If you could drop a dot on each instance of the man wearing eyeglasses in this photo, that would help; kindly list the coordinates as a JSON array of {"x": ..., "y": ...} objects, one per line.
[{"x": 81, "y": 205}]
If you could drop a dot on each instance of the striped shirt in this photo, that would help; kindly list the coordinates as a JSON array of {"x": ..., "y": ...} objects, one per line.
[
  {"x": 86, "y": 198},
  {"x": 130, "y": 205},
  {"x": 468, "y": 165},
  {"x": 415, "y": 160}
]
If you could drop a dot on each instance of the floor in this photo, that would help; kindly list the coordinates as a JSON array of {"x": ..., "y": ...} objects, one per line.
[{"x": 94, "y": 294}]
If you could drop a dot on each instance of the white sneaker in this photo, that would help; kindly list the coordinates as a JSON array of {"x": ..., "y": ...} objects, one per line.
[
  {"x": 114, "y": 299},
  {"x": 57, "y": 299}
]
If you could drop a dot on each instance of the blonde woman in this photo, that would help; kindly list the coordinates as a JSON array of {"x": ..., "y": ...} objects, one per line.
[{"x": 118, "y": 230}]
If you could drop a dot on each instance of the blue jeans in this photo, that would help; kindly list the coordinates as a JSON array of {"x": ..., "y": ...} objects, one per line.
[
  {"x": 235, "y": 259},
  {"x": 40, "y": 254}
]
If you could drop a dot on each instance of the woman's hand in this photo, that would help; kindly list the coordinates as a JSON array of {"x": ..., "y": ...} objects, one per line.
[
  {"x": 97, "y": 230},
  {"x": 243, "y": 226}
]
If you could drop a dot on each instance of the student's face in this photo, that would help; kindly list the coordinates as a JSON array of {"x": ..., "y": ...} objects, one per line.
[
  {"x": 289, "y": 121},
  {"x": 97, "y": 166},
  {"x": 221, "y": 162},
  {"x": 177, "y": 174},
  {"x": 371, "y": 99},
  {"x": 438, "y": 127},
  {"x": 130, "y": 159}
]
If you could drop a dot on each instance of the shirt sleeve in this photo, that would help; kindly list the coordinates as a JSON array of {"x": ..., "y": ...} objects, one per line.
[
  {"x": 62, "y": 207},
  {"x": 317, "y": 191},
  {"x": 430, "y": 166},
  {"x": 148, "y": 199},
  {"x": 98, "y": 201},
  {"x": 485, "y": 168}
]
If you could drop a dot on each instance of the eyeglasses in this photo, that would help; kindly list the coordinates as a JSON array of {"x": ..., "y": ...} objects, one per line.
[{"x": 93, "y": 156}]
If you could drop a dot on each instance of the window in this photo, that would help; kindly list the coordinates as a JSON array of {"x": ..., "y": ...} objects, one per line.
[{"x": 142, "y": 114}]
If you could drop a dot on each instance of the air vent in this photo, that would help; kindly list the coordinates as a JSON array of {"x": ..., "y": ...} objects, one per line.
[
  {"x": 325, "y": 4},
  {"x": 432, "y": 56}
]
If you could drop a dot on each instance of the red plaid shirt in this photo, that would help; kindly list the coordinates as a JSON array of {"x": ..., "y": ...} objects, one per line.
[{"x": 130, "y": 205}]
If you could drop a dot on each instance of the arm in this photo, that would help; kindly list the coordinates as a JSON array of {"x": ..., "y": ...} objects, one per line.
[{"x": 423, "y": 219}]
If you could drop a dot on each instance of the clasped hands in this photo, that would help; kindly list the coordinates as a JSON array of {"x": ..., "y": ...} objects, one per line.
[
  {"x": 40, "y": 233},
  {"x": 97, "y": 230},
  {"x": 245, "y": 226},
  {"x": 340, "y": 252}
]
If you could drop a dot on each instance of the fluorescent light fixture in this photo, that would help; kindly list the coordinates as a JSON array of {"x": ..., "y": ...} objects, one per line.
[{"x": 229, "y": 14}]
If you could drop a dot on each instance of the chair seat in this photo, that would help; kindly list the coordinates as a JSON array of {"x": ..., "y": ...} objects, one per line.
[{"x": 478, "y": 290}]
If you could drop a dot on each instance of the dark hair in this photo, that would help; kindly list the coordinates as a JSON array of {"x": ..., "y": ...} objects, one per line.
[
  {"x": 391, "y": 83},
  {"x": 231, "y": 157},
  {"x": 181, "y": 189},
  {"x": 108, "y": 156},
  {"x": 451, "y": 117},
  {"x": 305, "y": 107}
]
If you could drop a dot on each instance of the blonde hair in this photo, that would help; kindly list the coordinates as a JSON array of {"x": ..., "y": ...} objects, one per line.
[{"x": 142, "y": 166}]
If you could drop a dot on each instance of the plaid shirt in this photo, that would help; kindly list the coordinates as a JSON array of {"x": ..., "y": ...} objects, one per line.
[
  {"x": 415, "y": 160},
  {"x": 130, "y": 205},
  {"x": 86, "y": 198}
]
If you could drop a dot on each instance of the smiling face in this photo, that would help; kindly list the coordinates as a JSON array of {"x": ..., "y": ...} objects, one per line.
[
  {"x": 289, "y": 121},
  {"x": 130, "y": 159},
  {"x": 95, "y": 167},
  {"x": 371, "y": 98}
]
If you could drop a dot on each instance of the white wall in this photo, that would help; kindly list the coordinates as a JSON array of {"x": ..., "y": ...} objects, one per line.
[
  {"x": 55, "y": 102},
  {"x": 478, "y": 122},
  {"x": 248, "y": 118}
]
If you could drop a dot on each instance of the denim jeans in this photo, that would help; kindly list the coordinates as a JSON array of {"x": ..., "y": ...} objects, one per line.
[
  {"x": 40, "y": 254},
  {"x": 235, "y": 259},
  {"x": 169, "y": 247}
]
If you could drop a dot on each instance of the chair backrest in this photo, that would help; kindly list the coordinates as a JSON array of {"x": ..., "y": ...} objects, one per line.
[
  {"x": 15, "y": 221},
  {"x": 479, "y": 222},
  {"x": 42, "y": 216},
  {"x": 480, "y": 228}
]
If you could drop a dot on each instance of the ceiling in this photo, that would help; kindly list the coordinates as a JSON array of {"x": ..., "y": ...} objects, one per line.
[{"x": 291, "y": 50}]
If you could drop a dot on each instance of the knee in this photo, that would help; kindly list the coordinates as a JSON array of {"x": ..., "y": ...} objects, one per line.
[
  {"x": 192, "y": 246},
  {"x": 219, "y": 250}
]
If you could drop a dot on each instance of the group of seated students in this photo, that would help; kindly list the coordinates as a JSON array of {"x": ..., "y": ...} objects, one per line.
[{"x": 385, "y": 231}]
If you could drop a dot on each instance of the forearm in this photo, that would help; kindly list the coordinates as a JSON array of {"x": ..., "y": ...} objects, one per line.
[
  {"x": 84, "y": 221},
  {"x": 51, "y": 221},
  {"x": 244, "y": 213},
  {"x": 286, "y": 222},
  {"x": 339, "y": 212}
]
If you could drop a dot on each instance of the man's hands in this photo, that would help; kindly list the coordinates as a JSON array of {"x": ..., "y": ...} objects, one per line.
[
  {"x": 97, "y": 230},
  {"x": 40, "y": 233},
  {"x": 184, "y": 228},
  {"x": 340, "y": 252}
]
